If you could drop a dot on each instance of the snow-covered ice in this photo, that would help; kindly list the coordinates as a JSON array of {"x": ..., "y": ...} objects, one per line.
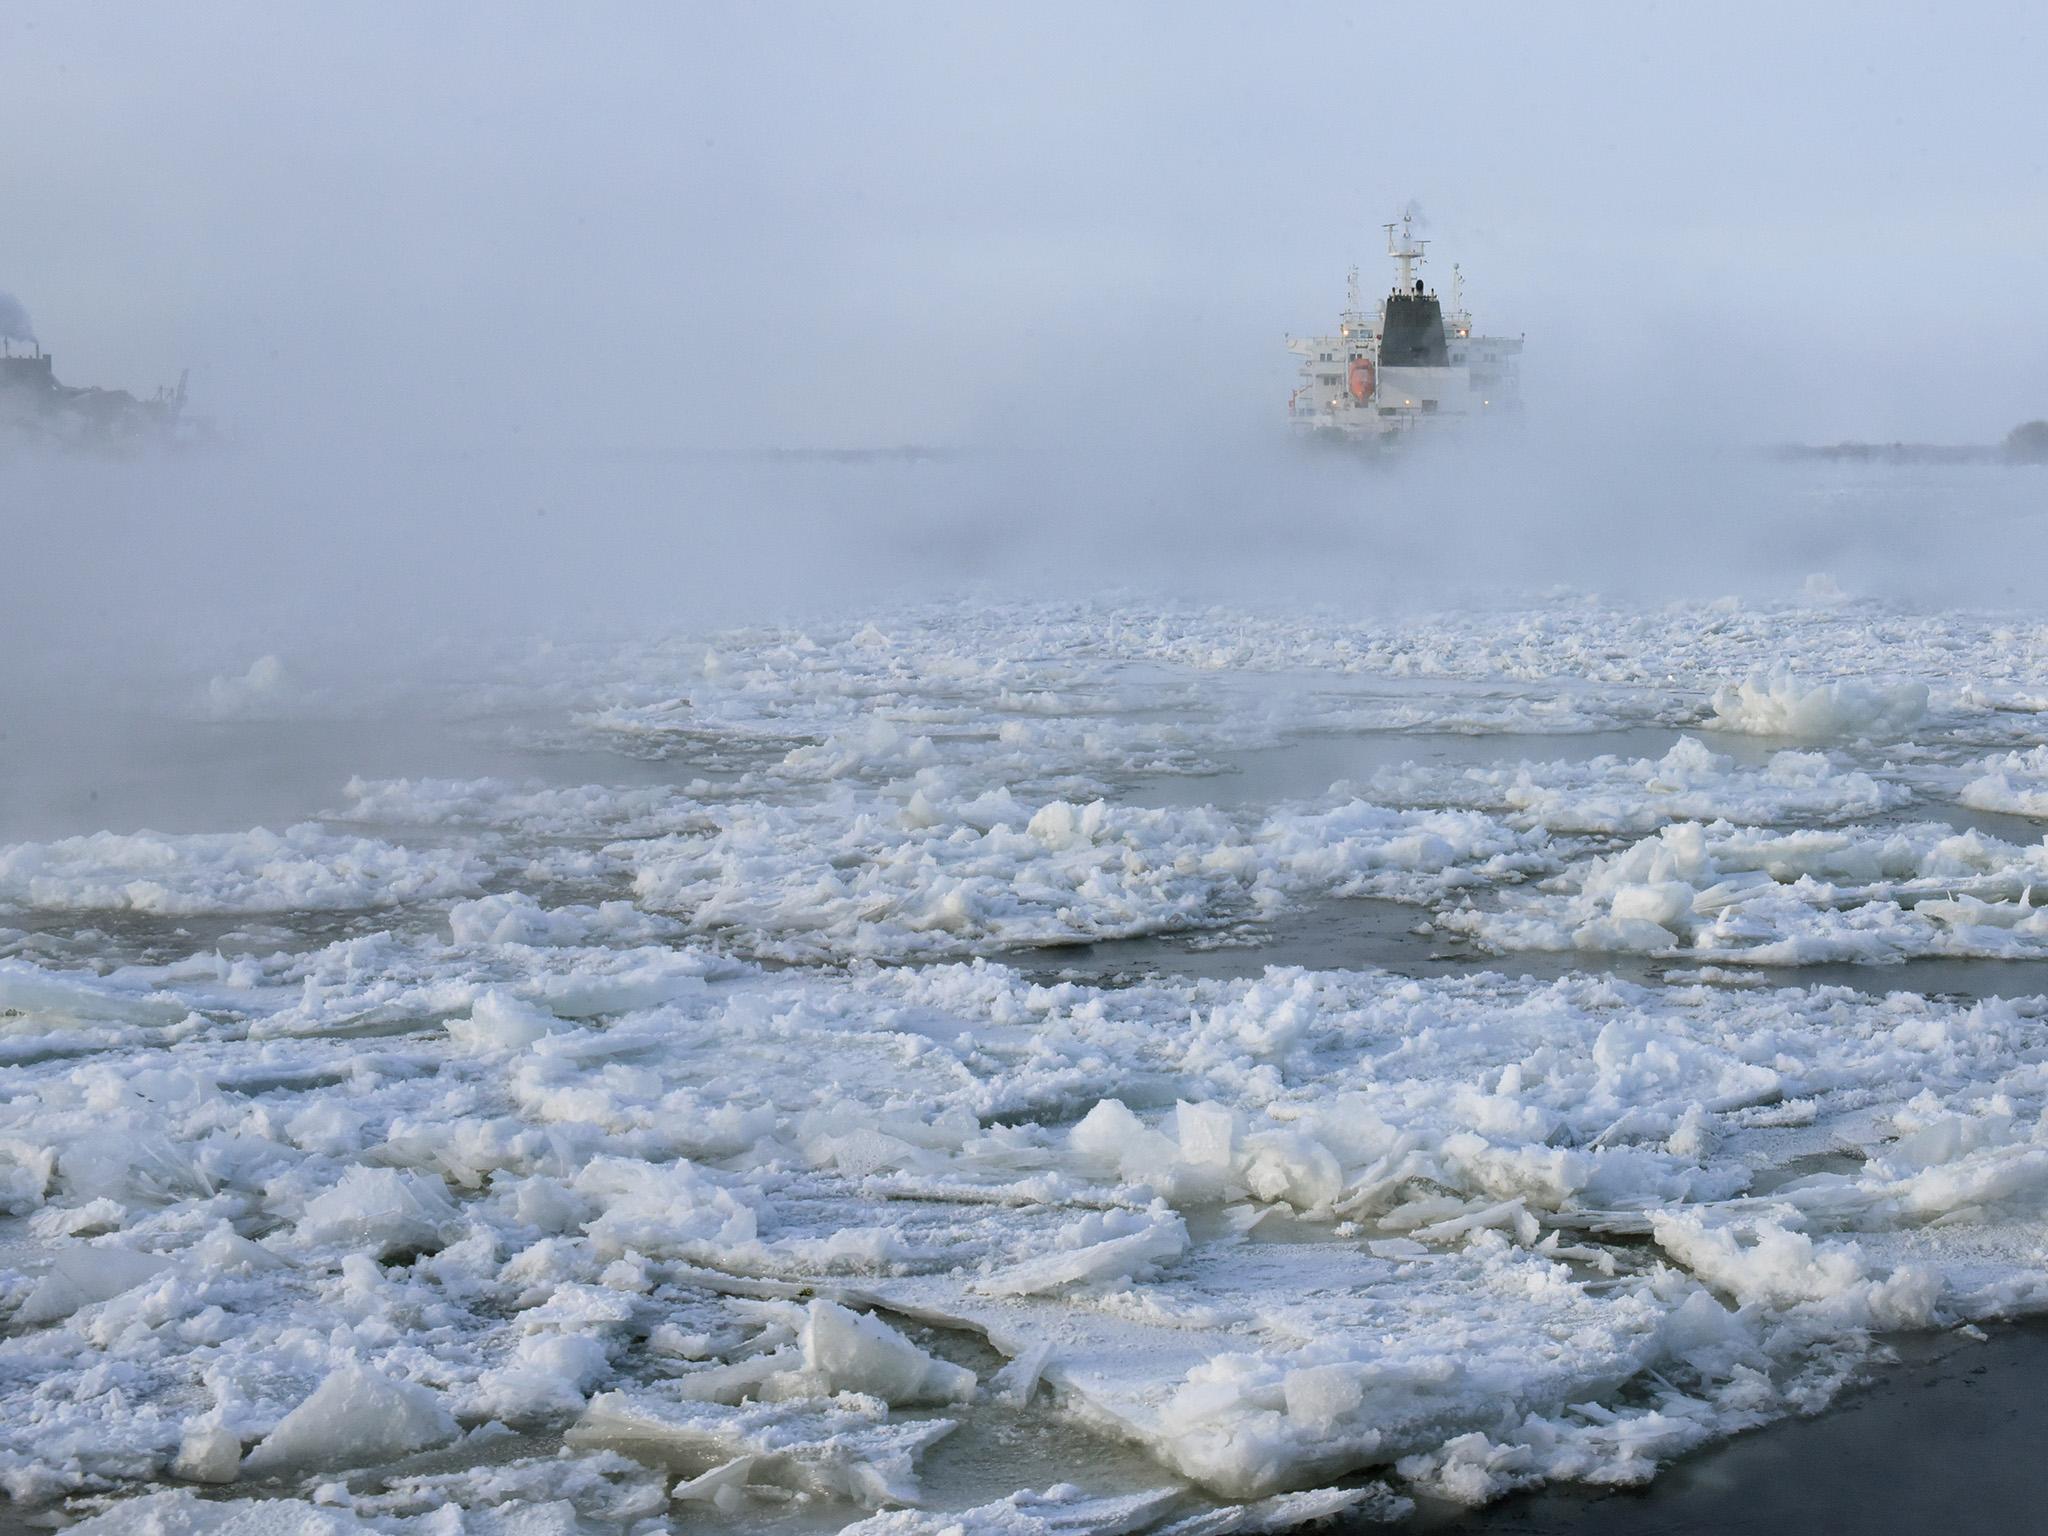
[{"x": 747, "y": 1138}]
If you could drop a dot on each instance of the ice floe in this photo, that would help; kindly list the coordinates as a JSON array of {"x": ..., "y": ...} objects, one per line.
[
  {"x": 1787, "y": 897},
  {"x": 688, "y": 1144},
  {"x": 740, "y": 1175}
]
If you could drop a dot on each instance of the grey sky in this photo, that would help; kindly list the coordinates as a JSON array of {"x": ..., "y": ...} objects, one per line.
[{"x": 791, "y": 224}]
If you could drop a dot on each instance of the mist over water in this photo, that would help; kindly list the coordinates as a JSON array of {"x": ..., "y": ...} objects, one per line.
[
  {"x": 493, "y": 310},
  {"x": 347, "y": 559},
  {"x": 384, "y": 588}
]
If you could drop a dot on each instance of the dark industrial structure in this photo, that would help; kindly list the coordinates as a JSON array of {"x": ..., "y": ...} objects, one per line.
[{"x": 35, "y": 407}]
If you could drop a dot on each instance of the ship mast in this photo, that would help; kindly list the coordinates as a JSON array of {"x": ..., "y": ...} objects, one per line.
[{"x": 1407, "y": 252}]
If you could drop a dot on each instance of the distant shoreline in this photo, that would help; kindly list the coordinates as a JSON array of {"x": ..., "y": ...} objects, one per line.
[
  {"x": 2025, "y": 444},
  {"x": 891, "y": 453},
  {"x": 2007, "y": 453},
  {"x": 1896, "y": 453}
]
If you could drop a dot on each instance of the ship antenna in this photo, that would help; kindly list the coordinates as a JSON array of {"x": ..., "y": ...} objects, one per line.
[{"x": 1351, "y": 288}]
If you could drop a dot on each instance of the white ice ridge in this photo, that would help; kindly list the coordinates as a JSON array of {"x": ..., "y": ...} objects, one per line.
[
  {"x": 929, "y": 876},
  {"x": 932, "y": 866},
  {"x": 2015, "y": 783},
  {"x": 1270, "y": 1232},
  {"x": 1782, "y": 704},
  {"x": 1787, "y": 898},
  {"x": 1107, "y": 689},
  {"x": 266, "y": 688},
  {"x": 300, "y": 868},
  {"x": 951, "y": 664},
  {"x": 1613, "y": 795}
]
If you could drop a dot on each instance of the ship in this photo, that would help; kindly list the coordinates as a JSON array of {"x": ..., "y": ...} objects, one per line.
[
  {"x": 36, "y": 408},
  {"x": 1406, "y": 365}
]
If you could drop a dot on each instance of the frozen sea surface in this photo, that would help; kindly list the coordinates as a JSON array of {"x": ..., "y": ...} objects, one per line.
[{"x": 1044, "y": 1067}]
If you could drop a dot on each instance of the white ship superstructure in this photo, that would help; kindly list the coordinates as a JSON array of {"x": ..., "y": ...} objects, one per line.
[{"x": 1406, "y": 363}]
